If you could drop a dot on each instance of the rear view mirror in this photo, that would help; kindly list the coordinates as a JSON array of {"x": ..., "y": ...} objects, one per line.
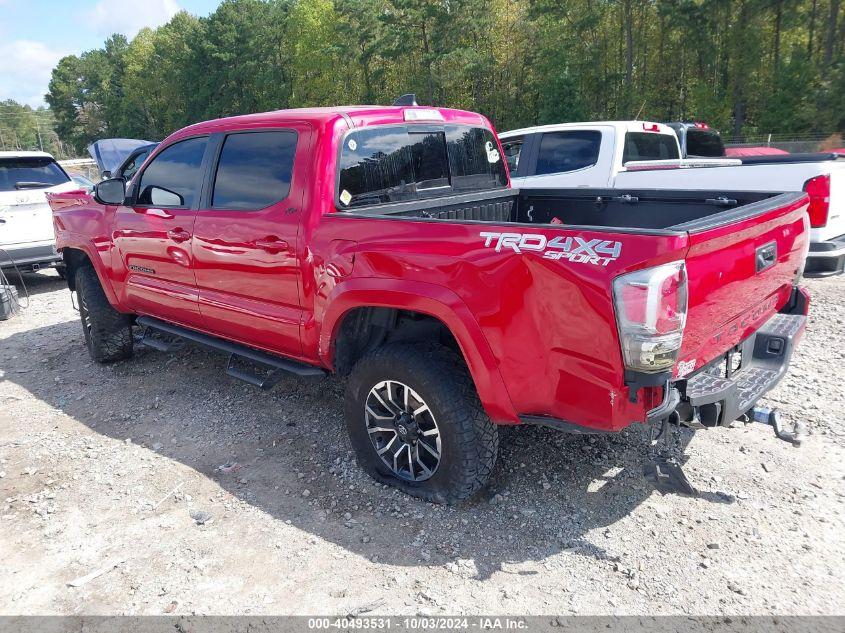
[{"x": 111, "y": 191}]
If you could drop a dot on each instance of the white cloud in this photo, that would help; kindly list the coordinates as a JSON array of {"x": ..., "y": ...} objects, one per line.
[
  {"x": 130, "y": 16},
  {"x": 25, "y": 68}
]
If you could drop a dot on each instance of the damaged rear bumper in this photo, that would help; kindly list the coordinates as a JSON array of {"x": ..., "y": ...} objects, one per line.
[{"x": 728, "y": 387}]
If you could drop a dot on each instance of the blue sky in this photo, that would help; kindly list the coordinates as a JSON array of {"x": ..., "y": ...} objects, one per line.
[{"x": 35, "y": 34}]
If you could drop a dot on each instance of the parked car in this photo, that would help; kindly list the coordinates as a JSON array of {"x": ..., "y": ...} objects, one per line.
[
  {"x": 698, "y": 140},
  {"x": 120, "y": 157},
  {"x": 27, "y": 240},
  {"x": 84, "y": 183},
  {"x": 385, "y": 243},
  {"x": 628, "y": 155}
]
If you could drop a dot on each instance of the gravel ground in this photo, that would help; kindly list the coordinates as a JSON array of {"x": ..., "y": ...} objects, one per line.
[{"x": 185, "y": 491}]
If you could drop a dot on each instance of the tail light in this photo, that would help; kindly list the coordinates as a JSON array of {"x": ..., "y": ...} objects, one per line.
[
  {"x": 818, "y": 189},
  {"x": 651, "y": 311}
]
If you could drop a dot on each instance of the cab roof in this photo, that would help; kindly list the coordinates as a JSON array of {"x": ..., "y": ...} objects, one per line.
[
  {"x": 24, "y": 154},
  {"x": 621, "y": 126},
  {"x": 355, "y": 115}
]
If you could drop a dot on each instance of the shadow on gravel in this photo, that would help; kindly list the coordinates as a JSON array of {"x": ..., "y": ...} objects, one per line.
[
  {"x": 35, "y": 283},
  {"x": 550, "y": 491}
]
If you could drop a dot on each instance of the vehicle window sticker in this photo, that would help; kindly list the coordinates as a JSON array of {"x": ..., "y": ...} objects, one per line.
[{"x": 492, "y": 152}]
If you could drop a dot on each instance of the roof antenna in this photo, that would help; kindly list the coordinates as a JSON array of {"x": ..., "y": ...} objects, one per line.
[
  {"x": 409, "y": 99},
  {"x": 642, "y": 107}
]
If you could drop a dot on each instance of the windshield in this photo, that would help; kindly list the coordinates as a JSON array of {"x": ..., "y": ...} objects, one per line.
[
  {"x": 706, "y": 143},
  {"x": 409, "y": 162},
  {"x": 38, "y": 172}
]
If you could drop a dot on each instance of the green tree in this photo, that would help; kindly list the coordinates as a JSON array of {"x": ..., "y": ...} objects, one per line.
[{"x": 745, "y": 66}]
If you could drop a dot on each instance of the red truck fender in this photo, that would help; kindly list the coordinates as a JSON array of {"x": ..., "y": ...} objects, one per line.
[
  {"x": 433, "y": 300},
  {"x": 66, "y": 244}
]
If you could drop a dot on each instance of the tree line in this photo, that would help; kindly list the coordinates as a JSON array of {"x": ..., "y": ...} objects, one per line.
[
  {"x": 745, "y": 66},
  {"x": 24, "y": 127}
]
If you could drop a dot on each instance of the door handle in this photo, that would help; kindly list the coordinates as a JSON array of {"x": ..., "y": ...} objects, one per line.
[
  {"x": 272, "y": 244},
  {"x": 178, "y": 235},
  {"x": 766, "y": 256}
]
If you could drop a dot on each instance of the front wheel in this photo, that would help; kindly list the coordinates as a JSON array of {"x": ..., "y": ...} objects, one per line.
[
  {"x": 415, "y": 422},
  {"x": 108, "y": 333}
]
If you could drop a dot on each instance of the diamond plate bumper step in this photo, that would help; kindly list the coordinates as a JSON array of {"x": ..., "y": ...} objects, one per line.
[{"x": 764, "y": 360}]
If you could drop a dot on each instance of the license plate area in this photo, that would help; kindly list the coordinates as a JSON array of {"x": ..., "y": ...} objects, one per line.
[
  {"x": 731, "y": 384},
  {"x": 728, "y": 364}
]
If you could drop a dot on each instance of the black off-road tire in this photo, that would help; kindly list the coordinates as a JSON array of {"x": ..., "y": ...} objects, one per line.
[
  {"x": 108, "y": 333},
  {"x": 469, "y": 439},
  {"x": 61, "y": 270}
]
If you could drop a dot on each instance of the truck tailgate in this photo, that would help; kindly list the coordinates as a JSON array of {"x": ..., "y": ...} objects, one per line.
[{"x": 741, "y": 267}]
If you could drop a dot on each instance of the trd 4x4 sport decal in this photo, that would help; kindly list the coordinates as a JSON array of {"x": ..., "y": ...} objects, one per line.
[{"x": 575, "y": 249}]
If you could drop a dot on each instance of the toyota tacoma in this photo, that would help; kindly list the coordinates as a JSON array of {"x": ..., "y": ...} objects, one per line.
[{"x": 385, "y": 244}]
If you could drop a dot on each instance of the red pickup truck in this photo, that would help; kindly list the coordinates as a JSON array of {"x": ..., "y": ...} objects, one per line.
[{"x": 385, "y": 243}]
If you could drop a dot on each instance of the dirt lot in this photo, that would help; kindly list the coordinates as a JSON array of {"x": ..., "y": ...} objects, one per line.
[{"x": 195, "y": 493}]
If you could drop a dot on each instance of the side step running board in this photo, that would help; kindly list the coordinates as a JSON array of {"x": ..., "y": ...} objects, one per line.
[
  {"x": 167, "y": 345},
  {"x": 276, "y": 365}
]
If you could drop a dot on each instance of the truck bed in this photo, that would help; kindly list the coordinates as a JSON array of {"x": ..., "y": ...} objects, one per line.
[
  {"x": 595, "y": 208},
  {"x": 547, "y": 285}
]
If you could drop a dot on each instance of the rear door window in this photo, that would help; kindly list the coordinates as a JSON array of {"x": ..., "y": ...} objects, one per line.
[
  {"x": 649, "y": 146},
  {"x": 31, "y": 172},
  {"x": 397, "y": 163},
  {"x": 254, "y": 170},
  {"x": 174, "y": 176},
  {"x": 568, "y": 151}
]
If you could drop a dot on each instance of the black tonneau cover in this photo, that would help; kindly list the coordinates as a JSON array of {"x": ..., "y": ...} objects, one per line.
[{"x": 817, "y": 157}]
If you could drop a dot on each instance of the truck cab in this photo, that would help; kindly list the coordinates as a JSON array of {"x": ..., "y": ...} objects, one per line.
[{"x": 585, "y": 154}]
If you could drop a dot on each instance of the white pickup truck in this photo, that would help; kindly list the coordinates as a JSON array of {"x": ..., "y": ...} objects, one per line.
[
  {"x": 27, "y": 239},
  {"x": 632, "y": 156}
]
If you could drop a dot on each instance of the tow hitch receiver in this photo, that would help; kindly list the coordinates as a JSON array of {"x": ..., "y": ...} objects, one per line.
[
  {"x": 663, "y": 467},
  {"x": 772, "y": 418}
]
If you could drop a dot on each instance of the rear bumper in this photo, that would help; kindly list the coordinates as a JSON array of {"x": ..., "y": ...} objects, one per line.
[
  {"x": 826, "y": 259},
  {"x": 29, "y": 256},
  {"x": 715, "y": 395},
  {"x": 731, "y": 385}
]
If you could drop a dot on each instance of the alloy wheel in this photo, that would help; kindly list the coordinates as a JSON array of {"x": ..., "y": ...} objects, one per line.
[{"x": 403, "y": 430}]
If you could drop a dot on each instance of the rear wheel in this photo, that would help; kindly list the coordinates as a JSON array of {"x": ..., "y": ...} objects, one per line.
[
  {"x": 415, "y": 422},
  {"x": 108, "y": 333}
]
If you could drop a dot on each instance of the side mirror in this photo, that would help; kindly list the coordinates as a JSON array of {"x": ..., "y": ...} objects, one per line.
[
  {"x": 111, "y": 191},
  {"x": 161, "y": 197}
]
